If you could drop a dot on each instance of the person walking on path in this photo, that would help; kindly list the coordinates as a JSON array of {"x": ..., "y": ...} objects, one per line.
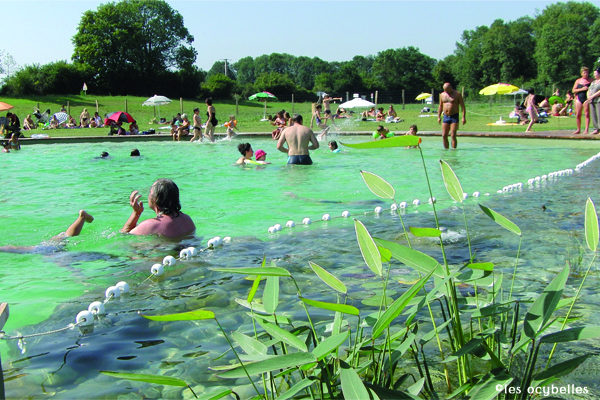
[
  {"x": 580, "y": 88},
  {"x": 593, "y": 101},
  {"x": 450, "y": 101},
  {"x": 211, "y": 122},
  {"x": 531, "y": 109}
]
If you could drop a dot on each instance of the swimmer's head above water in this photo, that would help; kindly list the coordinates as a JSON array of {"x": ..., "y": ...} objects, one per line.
[{"x": 164, "y": 194}]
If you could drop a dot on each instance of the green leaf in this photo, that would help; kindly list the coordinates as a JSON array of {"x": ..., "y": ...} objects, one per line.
[
  {"x": 379, "y": 186},
  {"x": 483, "y": 312},
  {"x": 485, "y": 266},
  {"x": 413, "y": 258},
  {"x": 368, "y": 248},
  {"x": 266, "y": 271},
  {"x": 396, "y": 141},
  {"x": 501, "y": 220},
  {"x": 451, "y": 181},
  {"x": 343, "y": 308},
  {"x": 281, "y": 319},
  {"x": 398, "y": 306},
  {"x": 283, "y": 335},
  {"x": 543, "y": 307},
  {"x": 416, "y": 388},
  {"x": 485, "y": 389},
  {"x": 330, "y": 344},
  {"x": 157, "y": 379},
  {"x": 473, "y": 346},
  {"x": 329, "y": 279},
  {"x": 185, "y": 316},
  {"x": 250, "y": 345},
  {"x": 271, "y": 294},
  {"x": 215, "y": 394},
  {"x": 386, "y": 255},
  {"x": 254, "y": 288},
  {"x": 560, "y": 369},
  {"x": 298, "y": 387},
  {"x": 254, "y": 306},
  {"x": 568, "y": 335},
  {"x": 272, "y": 364},
  {"x": 431, "y": 334},
  {"x": 425, "y": 232},
  {"x": 352, "y": 386},
  {"x": 591, "y": 225}
]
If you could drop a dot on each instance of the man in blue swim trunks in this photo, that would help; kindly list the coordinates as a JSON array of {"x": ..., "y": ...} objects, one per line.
[
  {"x": 450, "y": 100},
  {"x": 298, "y": 138}
]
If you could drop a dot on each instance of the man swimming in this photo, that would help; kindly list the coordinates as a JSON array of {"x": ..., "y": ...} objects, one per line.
[
  {"x": 298, "y": 138},
  {"x": 450, "y": 100},
  {"x": 163, "y": 199}
]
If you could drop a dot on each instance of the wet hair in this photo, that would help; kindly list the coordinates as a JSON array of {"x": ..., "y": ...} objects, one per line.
[
  {"x": 243, "y": 148},
  {"x": 196, "y": 109},
  {"x": 297, "y": 118},
  {"x": 414, "y": 127},
  {"x": 165, "y": 194},
  {"x": 208, "y": 101},
  {"x": 135, "y": 153},
  {"x": 104, "y": 154},
  {"x": 333, "y": 144}
]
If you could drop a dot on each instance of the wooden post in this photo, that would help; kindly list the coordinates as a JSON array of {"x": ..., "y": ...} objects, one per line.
[
  {"x": 347, "y": 96},
  {"x": 292, "y": 103},
  {"x": 125, "y": 104},
  {"x": 376, "y": 96},
  {"x": 3, "y": 318},
  {"x": 97, "y": 106},
  {"x": 403, "y": 99},
  {"x": 68, "y": 108},
  {"x": 181, "y": 105}
]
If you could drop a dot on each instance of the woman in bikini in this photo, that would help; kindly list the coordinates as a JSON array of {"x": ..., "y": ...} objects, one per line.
[
  {"x": 211, "y": 121},
  {"x": 580, "y": 89},
  {"x": 531, "y": 109}
]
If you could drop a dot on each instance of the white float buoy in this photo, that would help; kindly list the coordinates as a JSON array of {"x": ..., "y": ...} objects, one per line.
[
  {"x": 519, "y": 185},
  {"x": 211, "y": 243},
  {"x": 85, "y": 318},
  {"x": 537, "y": 179},
  {"x": 431, "y": 200},
  {"x": 185, "y": 254},
  {"x": 499, "y": 191},
  {"x": 227, "y": 239},
  {"x": 169, "y": 260},
  {"x": 402, "y": 204},
  {"x": 475, "y": 194},
  {"x": 530, "y": 181},
  {"x": 416, "y": 202},
  {"x": 394, "y": 207},
  {"x": 123, "y": 287},
  {"x": 465, "y": 195},
  {"x": 277, "y": 227},
  {"x": 378, "y": 210},
  {"x": 157, "y": 269},
  {"x": 112, "y": 291},
  {"x": 346, "y": 214},
  {"x": 193, "y": 251},
  {"x": 505, "y": 189},
  {"x": 306, "y": 221},
  {"x": 326, "y": 217},
  {"x": 272, "y": 229},
  {"x": 218, "y": 240},
  {"x": 97, "y": 308},
  {"x": 544, "y": 177},
  {"x": 486, "y": 194},
  {"x": 290, "y": 224}
]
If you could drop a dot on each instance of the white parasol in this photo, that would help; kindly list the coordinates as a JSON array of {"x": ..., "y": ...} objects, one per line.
[
  {"x": 157, "y": 101},
  {"x": 357, "y": 103}
]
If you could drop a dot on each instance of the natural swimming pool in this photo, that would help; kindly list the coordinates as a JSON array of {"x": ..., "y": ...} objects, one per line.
[{"x": 45, "y": 185}]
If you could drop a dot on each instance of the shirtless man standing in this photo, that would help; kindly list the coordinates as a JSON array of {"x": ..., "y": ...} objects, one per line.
[
  {"x": 327, "y": 99},
  {"x": 298, "y": 137},
  {"x": 450, "y": 100},
  {"x": 163, "y": 199}
]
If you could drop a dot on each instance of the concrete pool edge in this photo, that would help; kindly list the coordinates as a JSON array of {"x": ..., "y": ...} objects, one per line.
[{"x": 563, "y": 134}]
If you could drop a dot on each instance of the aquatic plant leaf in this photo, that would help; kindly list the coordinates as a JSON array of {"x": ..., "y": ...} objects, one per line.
[
  {"x": 398, "y": 306},
  {"x": 254, "y": 288},
  {"x": 412, "y": 258},
  {"x": 431, "y": 334},
  {"x": 501, "y": 220},
  {"x": 379, "y": 186},
  {"x": 451, "y": 181},
  {"x": 425, "y": 232},
  {"x": 281, "y": 319},
  {"x": 591, "y": 225},
  {"x": 485, "y": 266},
  {"x": 184, "y": 316},
  {"x": 376, "y": 300},
  {"x": 486, "y": 388},
  {"x": 473, "y": 346},
  {"x": 330, "y": 344},
  {"x": 352, "y": 386},
  {"x": 343, "y": 308},
  {"x": 558, "y": 370},
  {"x": 254, "y": 306},
  {"x": 568, "y": 335},
  {"x": 483, "y": 312},
  {"x": 266, "y": 271},
  {"x": 149, "y": 378},
  {"x": 250, "y": 345},
  {"x": 543, "y": 307},
  {"x": 272, "y": 364},
  {"x": 385, "y": 393},
  {"x": 215, "y": 394},
  {"x": 386, "y": 255},
  {"x": 283, "y": 335},
  {"x": 368, "y": 248},
  {"x": 416, "y": 388},
  {"x": 328, "y": 278},
  {"x": 271, "y": 294},
  {"x": 396, "y": 141},
  {"x": 298, "y": 387}
]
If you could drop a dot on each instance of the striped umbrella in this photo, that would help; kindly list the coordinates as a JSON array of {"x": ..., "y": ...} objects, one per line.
[{"x": 61, "y": 117}]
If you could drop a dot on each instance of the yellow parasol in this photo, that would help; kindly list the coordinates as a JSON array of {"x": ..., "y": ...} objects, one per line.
[
  {"x": 423, "y": 96},
  {"x": 498, "y": 88}
]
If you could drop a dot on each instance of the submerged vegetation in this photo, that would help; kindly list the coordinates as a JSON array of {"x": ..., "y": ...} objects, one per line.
[{"x": 431, "y": 341}]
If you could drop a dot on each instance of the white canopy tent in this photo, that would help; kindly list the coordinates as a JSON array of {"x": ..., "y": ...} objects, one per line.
[{"x": 357, "y": 103}]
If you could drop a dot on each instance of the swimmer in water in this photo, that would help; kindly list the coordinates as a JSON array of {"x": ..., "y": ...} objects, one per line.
[
  {"x": 57, "y": 242},
  {"x": 246, "y": 151}
]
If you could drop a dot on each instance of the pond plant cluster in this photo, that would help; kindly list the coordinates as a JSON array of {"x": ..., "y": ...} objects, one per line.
[{"x": 487, "y": 343}]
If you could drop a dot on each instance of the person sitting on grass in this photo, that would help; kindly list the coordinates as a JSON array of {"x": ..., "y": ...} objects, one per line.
[
  {"x": 134, "y": 129},
  {"x": 28, "y": 123},
  {"x": 380, "y": 116},
  {"x": 370, "y": 113},
  {"x": 183, "y": 129},
  {"x": 246, "y": 151}
]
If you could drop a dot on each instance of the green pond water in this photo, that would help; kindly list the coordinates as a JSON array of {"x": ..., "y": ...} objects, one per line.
[{"x": 44, "y": 186}]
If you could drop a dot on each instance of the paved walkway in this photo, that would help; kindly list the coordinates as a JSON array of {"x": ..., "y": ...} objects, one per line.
[{"x": 563, "y": 134}]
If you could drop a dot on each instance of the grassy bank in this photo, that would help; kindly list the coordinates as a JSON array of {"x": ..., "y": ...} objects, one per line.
[{"x": 250, "y": 113}]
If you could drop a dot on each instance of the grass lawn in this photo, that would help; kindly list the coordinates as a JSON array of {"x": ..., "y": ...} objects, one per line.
[{"x": 249, "y": 114}]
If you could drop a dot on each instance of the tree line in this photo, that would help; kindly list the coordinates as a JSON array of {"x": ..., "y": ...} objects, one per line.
[{"x": 141, "y": 48}]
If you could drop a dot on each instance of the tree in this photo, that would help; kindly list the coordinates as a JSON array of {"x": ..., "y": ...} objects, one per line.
[
  {"x": 219, "y": 68},
  {"x": 468, "y": 53},
  {"x": 442, "y": 72},
  {"x": 562, "y": 33},
  {"x": 54, "y": 78},
  {"x": 220, "y": 86},
  {"x": 404, "y": 68},
  {"x": 128, "y": 44},
  {"x": 275, "y": 83},
  {"x": 244, "y": 69},
  {"x": 347, "y": 79}
]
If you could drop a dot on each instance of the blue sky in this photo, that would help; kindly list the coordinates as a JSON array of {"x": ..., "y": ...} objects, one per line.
[{"x": 41, "y": 31}]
